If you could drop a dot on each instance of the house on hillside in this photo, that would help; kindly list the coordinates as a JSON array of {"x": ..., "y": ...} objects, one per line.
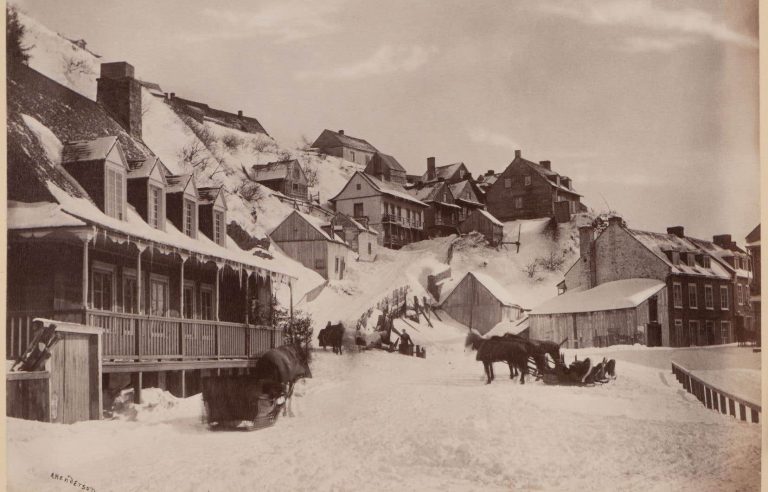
[
  {"x": 466, "y": 195},
  {"x": 362, "y": 239},
  {"x": 480, "y": 303},
  {"x": 105, "y": 239},
  {"x": 486, "y": 224},
  {"x": 618, "y": 312},
  {"x": 386, "y": 168},
  {"x": 484, "y": 181},
  {"x": 527, "y": 190},
  {"x": 201, "y": 112},
  {"x": 313, "y": 243},
  {"x": 397, "y": 216},
  {"x": 697, "y": 307},
  {"x": 286, "y": 177},
  {"x": 348, "y": 148},
  {"x": 450, "y": 173},
  {"x": 442, "y": 216},
  {"x": 753, "y": 247}
]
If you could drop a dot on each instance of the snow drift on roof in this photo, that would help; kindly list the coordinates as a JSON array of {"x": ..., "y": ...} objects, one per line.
[
  {"x": 489, "y": 283},
  {"x": 39, "y": 215},
  {"x": 272, "y": 170},
  {"x": 619, "y": 294},
  {"x": 490, "y": 217},
  {"x": 95, "y": 149},
  {"x": 658, "y": 243}
]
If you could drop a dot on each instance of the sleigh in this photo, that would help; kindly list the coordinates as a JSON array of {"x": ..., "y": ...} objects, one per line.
[
  {"x": 241, "y": 402},
  {"x": 581, "y": 373}
]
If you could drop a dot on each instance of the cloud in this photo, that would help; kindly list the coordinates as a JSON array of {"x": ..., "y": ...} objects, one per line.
[
  {"x": 643, "y": 14},
  {"x": 483, "y": 136},
  {"x": 288, "y": 20},
  {"x": 387, "y": 59}
]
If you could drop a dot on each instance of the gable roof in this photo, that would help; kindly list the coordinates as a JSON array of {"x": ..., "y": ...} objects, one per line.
[
  {"x": 95, "y": 149},
  {"x": 328, "y": 138},
  {"x": 178, "y": 184},
  {"x": 490, "y": 217},
  {"x": 445, "y": 172},
  {"x": 384, "y": 160},
  {"x": 753, "y": 238},
  {"x": 246, "y": 124},
  {"x": 384, "y": 187},
  {"x": 357, "y": 225},
  {"x": 209, "y": 195},
  {"x": 274, "y": 170},
  {"x": 428, "y": 192},
  {"x": 619, "y": 294},
  {"x": 323, "y": 228},
  {"x": 457, "y": 189},
  {"x": 545, "y": 173},
  {"x": 144, "y": 169},
  {"x": 495, "y": 288}
]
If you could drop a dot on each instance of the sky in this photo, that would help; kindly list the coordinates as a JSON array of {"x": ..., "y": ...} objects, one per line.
[{"x": 651, "y": 107}]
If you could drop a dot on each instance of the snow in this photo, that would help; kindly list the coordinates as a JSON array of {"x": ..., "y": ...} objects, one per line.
[
  {"x": 619, "y": 294},
  {"x": 39, "y": 215},
  {"x": 493, "y": 287},
  {"x": 490, "y": 217},
  {"x": 50, "y": 142},
  {"x": 744, "y": 383},
  {"x": 381, "y": 421}
]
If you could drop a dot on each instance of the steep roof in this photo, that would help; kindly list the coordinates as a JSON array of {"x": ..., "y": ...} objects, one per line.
[
  {"x": 273, "y": 170},
  {"x": 458, "y": 189},
  {"x": 95, "y": 149},
  {"x": 445, "y": 172},
  {"x": 619, "y": 294},
  {"x": 246, "y": 124},
  {"x": 490, "y": 217},
  {"x": 318, "y": 225},
  {"x": 495, "y": 288},
  {"x": 144, "y": 168},
  {"x": 330, "y": 138},
  {"x": 357, "y": 225},
  {"x": 387, "y": 161},
  {"x": 432, "y": 192},
  {"x": 177, "y": 184},
  {"x": 753, "y": 238},
  {"x": 549, "y": 176},
  {"x": 385, "y": 187},
  {"x": 209, "y": 194}
]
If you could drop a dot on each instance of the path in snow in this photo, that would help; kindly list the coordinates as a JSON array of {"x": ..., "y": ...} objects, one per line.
[{"x": 379, "y": 421}]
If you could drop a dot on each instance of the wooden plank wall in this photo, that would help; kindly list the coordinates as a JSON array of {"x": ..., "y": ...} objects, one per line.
[
  {"x": 306, "y": 252},
  {"x": 592, "y": 328},
  {"x": 28, "y": 398},
  {"x": 472, "y": 305}
]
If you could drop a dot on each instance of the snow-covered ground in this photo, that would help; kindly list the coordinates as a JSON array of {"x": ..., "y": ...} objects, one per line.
[{"x": 380, "y": 421}]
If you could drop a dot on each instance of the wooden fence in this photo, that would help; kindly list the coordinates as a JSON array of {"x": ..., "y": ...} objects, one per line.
[
  {"x": 28, "y": 395},
  {"x": 716, "y": 399}
]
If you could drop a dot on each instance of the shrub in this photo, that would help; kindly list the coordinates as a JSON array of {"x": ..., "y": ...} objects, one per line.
[
  {"x": 531, "y": 268},
  {"x": 232, "y": 142},
  {"x": 73, "y": 65},
  {"x": 552, "y": 262},
  {"x": 15, "y": 51},
  {"x": 195, "y": 154}
]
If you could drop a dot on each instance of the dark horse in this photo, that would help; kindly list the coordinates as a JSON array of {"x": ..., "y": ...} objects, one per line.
[
  {"x": 284, "y": 365},
  {"x": 331, "y": 335},
  {"x": 498, "y": 349},
  {"x": 538, "y": 350}
]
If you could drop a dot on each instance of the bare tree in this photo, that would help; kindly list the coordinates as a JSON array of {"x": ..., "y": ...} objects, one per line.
[
  {"x": 195, "y": 154},
  {"x": 73, "y": 65},
  {"x": 310, "y": 172}
]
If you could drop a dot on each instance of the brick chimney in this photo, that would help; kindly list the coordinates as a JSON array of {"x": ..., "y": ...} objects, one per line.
[
  {"x": 546, "y": 164},
  {"x": 431, "y": 169},
  {"x": 490, "y": 172},
  {"x": 518, "y": 154},
  {"x": 678, "y": 231},
  {"x": 120, "y": 93},
  {"x": 340, "y": 132},
  {"x": 723, "y": 240},
  {"x": 615, "y": 220},
  {"x": 240, "y": 113}
]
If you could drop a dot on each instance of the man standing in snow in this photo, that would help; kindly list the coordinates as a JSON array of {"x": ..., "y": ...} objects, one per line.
[{"x": 405, "y": 342}]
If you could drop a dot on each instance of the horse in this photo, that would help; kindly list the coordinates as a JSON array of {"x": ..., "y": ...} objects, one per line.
[
  {"x": 284, "y": 365},
  {"x": 538, "y": 350},
  {"x": 513, "y": 352},
  {"x": 332, "y": 335}
]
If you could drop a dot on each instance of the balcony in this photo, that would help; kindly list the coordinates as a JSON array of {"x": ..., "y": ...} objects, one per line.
[
  {"x": 401, "y": 221},
  {"x": 136, "y": 338},
  {"x": 445, "y": 221}
]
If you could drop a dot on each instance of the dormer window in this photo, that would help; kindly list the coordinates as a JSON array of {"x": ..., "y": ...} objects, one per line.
[
  {"x": 156, "y": 209},
  {"x": 219, "y": 231},
  {"x": 705, "y": 262},
  {"x": 114, "y": 191},
  {"x": 690, "y": 259},
  {"x": 190, "y": 217}
]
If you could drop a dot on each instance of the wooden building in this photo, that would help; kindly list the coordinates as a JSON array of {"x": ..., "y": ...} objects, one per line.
[
  {"x": 617, "y": 312},
  {"x": 341, "y": 145},
  {"x": 753, "y": 247},
  {"x": 700, "y": 283},
  {"x": 527, "y": 190},
  {"x": 466, "y": 195},
  {"x": 450, "y": 173},
  {"x": 480, "y": 303},
  {"x": 386, "y": 168},
  {"x": 172, "y": 304},
  {"x": 362, "y": 239},
  {"x": 484, "y": 223},
  {"x": 313, "y": 243},
  {"x": 212, "y": 210},
  {"x": 286, "y": 177},
  {"x": 396, "y": 215},
  {"x": 442, "y": 216}
]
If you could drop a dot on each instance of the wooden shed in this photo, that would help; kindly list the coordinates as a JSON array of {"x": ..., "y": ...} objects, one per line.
[
  {"x": 311, "y": 241},
  {"x": 480, "y": 303},
  {"x": 486, "y": 224},
  {"x": 620, "y": 312},
  {"x": 68, "y": 388}
]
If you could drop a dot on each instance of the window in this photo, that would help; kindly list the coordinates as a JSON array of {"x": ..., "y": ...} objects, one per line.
[
  {"x": 679, "y": 335},
  {"x": 219, "y": 231},
  {"x": 725, "y": 331},
  {"x": 296, "y": 174},
  {"x": 358, "y": 186},
  {"x": 190, "y": 221},
  {"x": 693, "y": 331},
  {"x": 319, "y": 263},
  {"x": 705, "y": 261},
  {"x": 527, "y": 181},
  {"x": 189, "y": 300},
  {"x": 693, "y": 302},
  {"x": 358, "y": 210},
  {"x": 739, "y": 294},
  {"x": 737, "y": 262},
  {"x": 724, "y": 297},
  {"x": 518, "y": 202},
  {"x": 507, "y": 183},
  {"x": 130, "y": 292},
  {"x": 370, "y": 249},
  {"x": 353, "y": 155},
  {"x": 690, "y": 259},
  {"x": 103, "y": 287},
  {"x": 158, "y": 295},
  {"x": 709, "y": 301},
  {"x": 708, "y": 337},
  {"x": 155, "y": 207},
  {"x": 461, "y": 174},
  {"x": 206, "y": 302},
  {"x": 677, "y": 295},
  {"x": 336, "y": 267},
  {"x": 295, "y": 187},
  {"x": 114, "y": 197}
]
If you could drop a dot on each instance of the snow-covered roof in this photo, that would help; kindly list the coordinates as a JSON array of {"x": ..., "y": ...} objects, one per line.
[
  {"x": 660, "y": 243},
  {"x": 177, "y": 184},
  {"x": 619, "y": 294},
  {"x": 39, "y": 215},
  {"x": 490, "y": 217},
  {"x": 387, "y": 188},
  {"x": 505, "y": 326},
  {"x": 144, "y": 168},
  {"x": 273, "y": 170},
  {"x": 95, "y": 149},
  {"x": 753, "y": 238},
  {"x": 319, "y": 225},
  {"x": 495, "y": 288},
  {"x": 444, "y": 172},
  {"x": 327, "y": 138},
  {"x": 209, "y": 194}
]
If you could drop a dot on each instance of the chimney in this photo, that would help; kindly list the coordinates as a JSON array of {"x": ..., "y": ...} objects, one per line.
[
  {"x": 678, "y": 231},
  {"x": 431, "y": 169},
  {"x": 173, "y": 95},
  {"x": 489, "y": 172},
  {"x": 240, "y": 113},
  {"x": 586, "y": 236},
  {"x": 546, "y": 165},
  {"x": 166, "y": 96},
  {"x": 120, "y": 93},
  {"x": 518, "y": 154},
  {"x": 340, "y": 132},
  {"x": 615, "y": 220},
  {"x": 723, "y": 240}
]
